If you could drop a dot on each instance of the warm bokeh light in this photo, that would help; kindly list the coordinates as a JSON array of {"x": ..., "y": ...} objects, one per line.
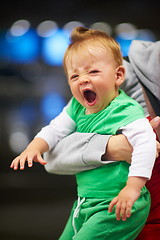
[
  {"x": 19, "y": 27},
  {"x": 68, "y": 27},
  {"x": 47, "y": 28},
  {"x": 20, "y": 138},
  {"x": 102, "y": 26}
]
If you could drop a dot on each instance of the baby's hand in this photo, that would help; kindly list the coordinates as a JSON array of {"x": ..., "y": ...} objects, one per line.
[
  {"x": 29, "y": 156},
  {"x": 124, "y": 202}
]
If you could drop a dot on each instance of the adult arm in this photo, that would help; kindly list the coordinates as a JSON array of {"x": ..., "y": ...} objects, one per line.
[
  {"x": 89, "y": 150},
  {"x": 83, "y": 151}
]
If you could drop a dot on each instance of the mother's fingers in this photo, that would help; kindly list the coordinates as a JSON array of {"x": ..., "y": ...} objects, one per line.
[
  {"x": 158, "y": 149},
  {"x": 155, "y": 122}
]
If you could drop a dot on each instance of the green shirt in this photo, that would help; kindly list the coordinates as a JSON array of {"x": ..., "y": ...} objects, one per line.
[
  {"x": 107, "y": 180},
  {"x": 120, "y": 112}
]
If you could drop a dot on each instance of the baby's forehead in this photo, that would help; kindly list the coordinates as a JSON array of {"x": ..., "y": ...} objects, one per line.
[
  {"x": 88, "y": 58},
  {"x": 88, "y": 51},
  {"x": 84, "y": 60}
]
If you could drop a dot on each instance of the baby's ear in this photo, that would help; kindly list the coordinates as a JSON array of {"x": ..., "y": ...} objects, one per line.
[{"x": 120, "y": 75}]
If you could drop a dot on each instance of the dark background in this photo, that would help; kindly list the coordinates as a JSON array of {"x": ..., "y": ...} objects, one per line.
[
  {"x": 34, "y": 205},
  {"x": 144, "y": 14}
]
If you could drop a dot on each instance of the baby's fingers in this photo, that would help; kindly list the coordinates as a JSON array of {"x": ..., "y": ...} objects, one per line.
[
  {"x": 40, "y": 160},
  {"x": 129, "y": 209},
  {"x": 120, "y": 209},
  {"x": 15, "y": 163},
  {"x": 19, "y": 162},
  {"x": 30, "y": 162},
  {"x": 112, "y": 204},
  {"x": 125, "y": 211},
  {"x": 29, "y": 158},
  {"x": 22, "y": 163}
]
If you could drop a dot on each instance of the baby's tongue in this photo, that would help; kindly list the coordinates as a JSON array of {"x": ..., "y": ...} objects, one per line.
[{"x": 90, "y": 96}]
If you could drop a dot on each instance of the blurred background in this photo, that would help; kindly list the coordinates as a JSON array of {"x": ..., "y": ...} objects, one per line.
[{"x": 35, "y": 205}]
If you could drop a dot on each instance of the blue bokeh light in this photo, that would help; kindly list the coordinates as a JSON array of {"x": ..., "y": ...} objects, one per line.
[
  {"x": 19, "y": 49},
  {"x": 28, "y": 111},
  {"x": 124, "y": 44},
  {"x": 51, "y": 105},
  {"x": 53, "y": 48}
]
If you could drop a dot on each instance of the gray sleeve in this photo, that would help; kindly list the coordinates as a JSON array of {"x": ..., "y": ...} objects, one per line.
[
  {"x": 132, "y": 86},
  {"x": 74, "y": 153}
]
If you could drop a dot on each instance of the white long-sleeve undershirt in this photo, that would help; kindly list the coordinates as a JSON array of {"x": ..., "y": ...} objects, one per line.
[
  {"x": 59, "y": 127},
  {"x": 143, "y": 140}
]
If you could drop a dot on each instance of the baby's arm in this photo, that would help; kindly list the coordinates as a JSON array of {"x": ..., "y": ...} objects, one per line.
[
  {"x": 127, "y": 196},
  {"x": 45, "y": 140},
  {"x": 143, "y": 140}
]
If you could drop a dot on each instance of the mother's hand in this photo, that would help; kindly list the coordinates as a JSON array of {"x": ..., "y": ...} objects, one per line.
[
  {"x": 155, "y": 123},
  {"x": 118, "y": 147}
]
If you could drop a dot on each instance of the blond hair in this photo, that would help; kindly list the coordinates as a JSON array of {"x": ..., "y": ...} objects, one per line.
[{"x": 81, "y": 36}]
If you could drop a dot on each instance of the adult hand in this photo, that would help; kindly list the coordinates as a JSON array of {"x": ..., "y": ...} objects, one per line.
[
  {"x": 118, "y": 147},
  {"x": 155, "y": 123}
]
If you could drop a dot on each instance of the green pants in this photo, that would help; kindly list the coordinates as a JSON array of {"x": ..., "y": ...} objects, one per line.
[{"x": 93, "y": 221}]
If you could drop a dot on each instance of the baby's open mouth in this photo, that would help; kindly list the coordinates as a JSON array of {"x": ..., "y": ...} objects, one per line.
[{"x": 90, "y": 96}]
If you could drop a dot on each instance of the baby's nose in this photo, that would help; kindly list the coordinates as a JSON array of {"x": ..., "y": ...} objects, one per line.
[{"x": 84, "y": 79}]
